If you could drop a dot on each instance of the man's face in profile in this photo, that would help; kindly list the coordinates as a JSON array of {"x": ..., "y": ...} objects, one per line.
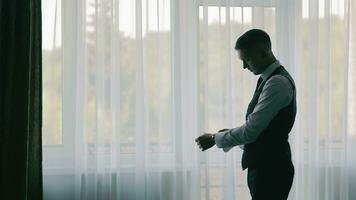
[{"x": 250, "y": 61}]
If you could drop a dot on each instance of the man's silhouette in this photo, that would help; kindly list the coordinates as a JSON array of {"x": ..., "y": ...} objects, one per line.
[{"x": 269, "y": 119}]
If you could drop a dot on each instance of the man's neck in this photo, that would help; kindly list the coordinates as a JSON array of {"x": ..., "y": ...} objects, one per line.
[
  {"x": 269, "y": 61},
  {"x": 269, "y": 69}
]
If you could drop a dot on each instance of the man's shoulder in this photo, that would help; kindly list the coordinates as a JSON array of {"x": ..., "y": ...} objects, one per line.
[
  {"x": 280, "y": 80},
  {"x": 279, "y": 84}
]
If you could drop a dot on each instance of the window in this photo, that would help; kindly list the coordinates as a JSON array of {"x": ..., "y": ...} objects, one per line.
[{"x": 108, "y": 48}]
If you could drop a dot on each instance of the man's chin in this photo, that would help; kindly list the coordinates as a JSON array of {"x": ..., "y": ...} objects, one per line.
[{"x": 254, "y": 72}]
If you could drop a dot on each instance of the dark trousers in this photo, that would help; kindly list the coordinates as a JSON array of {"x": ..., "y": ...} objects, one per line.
[{"x": 270, "y": 182}]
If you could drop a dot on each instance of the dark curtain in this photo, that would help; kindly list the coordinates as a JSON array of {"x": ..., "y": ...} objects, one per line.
[{"x": 21, "y": 100}]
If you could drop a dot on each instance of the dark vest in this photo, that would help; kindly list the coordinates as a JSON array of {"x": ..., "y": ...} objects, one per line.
[{"x": 272, "y": 145}]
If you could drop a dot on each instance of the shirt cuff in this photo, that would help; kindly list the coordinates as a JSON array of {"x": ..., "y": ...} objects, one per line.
[
  {"x": 226, "y": 149},
  {"x": 219, "y": 141}
]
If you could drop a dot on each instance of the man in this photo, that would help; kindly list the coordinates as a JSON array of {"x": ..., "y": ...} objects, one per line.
[{"x": 269, "y": 119}]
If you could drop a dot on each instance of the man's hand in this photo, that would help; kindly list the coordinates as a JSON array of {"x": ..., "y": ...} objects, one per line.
[{"x": 206, "y": 141}]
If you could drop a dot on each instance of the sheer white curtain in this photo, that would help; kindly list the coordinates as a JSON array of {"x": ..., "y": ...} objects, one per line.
[
  {"x": 130, "y": 100},
  {"x": 322, "y": 134},
  {"x": 136, "y": 101},
  {"x": 129, "y": 85},
  {"x": 314, "y": 40}
]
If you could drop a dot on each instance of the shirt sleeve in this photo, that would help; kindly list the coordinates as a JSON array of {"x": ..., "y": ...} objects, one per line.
[{"x": 276, "y": 94}]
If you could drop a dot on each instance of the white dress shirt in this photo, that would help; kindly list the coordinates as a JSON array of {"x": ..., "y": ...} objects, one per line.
[{"x": 276, "y": 94}]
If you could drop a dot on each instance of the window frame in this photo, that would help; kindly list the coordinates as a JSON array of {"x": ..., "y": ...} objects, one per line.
[{"x": 58, "y": 156}]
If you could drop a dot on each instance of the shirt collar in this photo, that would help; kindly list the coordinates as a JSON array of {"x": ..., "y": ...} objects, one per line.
[{"x": 270, "y": 69}]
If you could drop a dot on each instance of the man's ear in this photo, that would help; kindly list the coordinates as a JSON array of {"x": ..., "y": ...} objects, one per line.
[{"x": 264, "y": 54}]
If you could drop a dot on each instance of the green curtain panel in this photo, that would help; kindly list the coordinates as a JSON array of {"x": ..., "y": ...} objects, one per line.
[{"x": 21, "y": 99}]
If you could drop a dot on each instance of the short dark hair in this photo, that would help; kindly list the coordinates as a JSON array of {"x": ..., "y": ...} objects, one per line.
[{"x": 254, "y": 39}]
